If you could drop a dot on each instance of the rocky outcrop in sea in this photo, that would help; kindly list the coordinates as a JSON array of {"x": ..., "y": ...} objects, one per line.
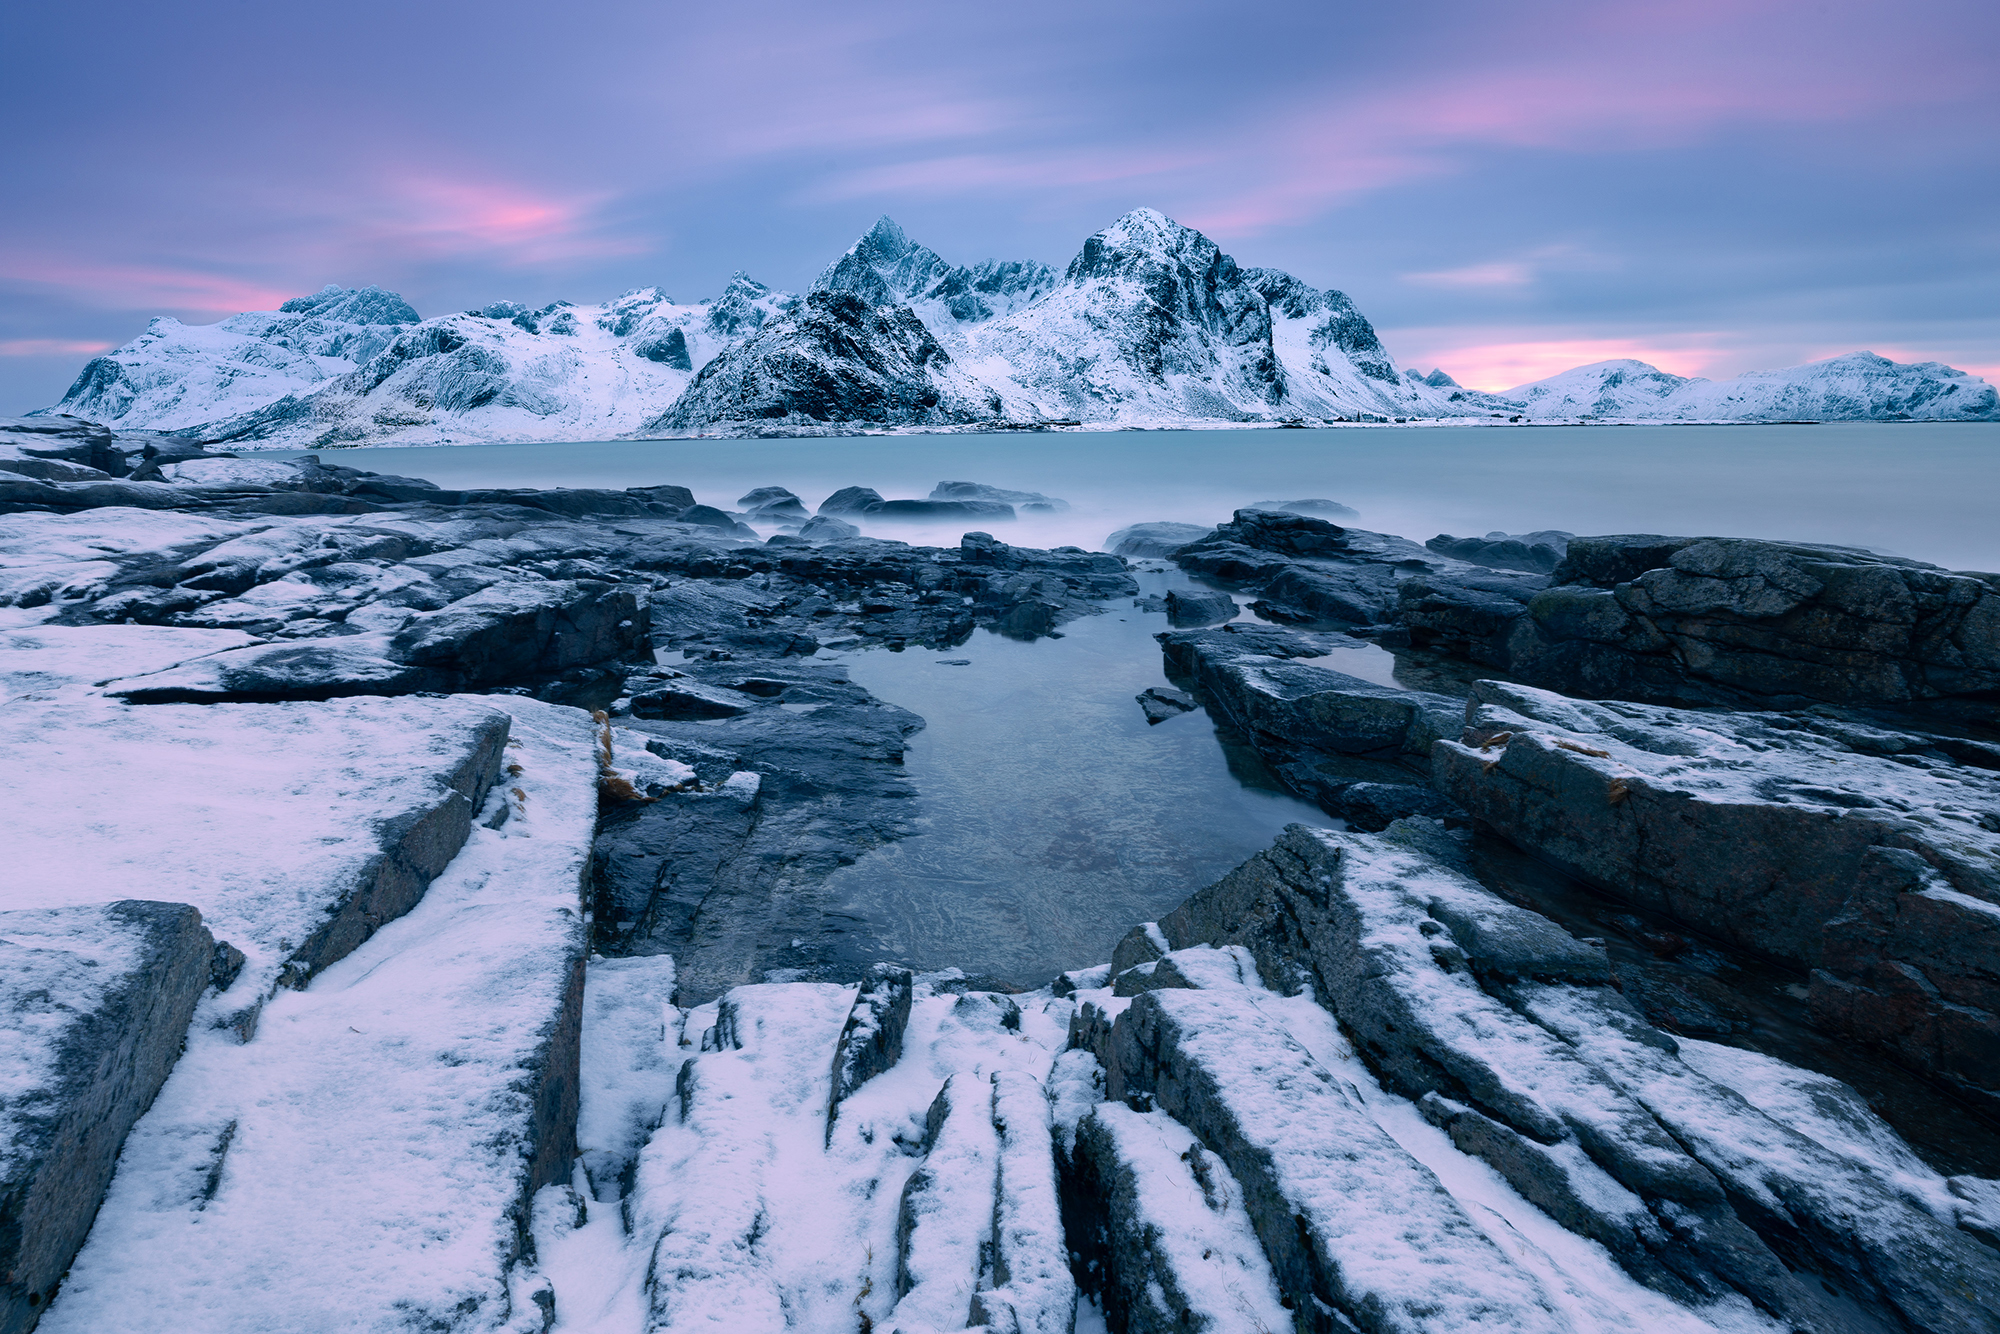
[{"x": 420, "y": 918}]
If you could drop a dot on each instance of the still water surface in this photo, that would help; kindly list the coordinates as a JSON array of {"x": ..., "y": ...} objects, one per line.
[{"x": 1925, "y": 490}]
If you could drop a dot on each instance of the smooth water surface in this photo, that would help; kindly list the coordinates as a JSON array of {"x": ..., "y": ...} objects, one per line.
[
  {"x": 1919, "y": 489},
  {"x": 1053, "y": 815}
]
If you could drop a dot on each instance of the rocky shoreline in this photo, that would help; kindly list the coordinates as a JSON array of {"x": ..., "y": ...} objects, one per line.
[{"x": 1648, "y": 972}]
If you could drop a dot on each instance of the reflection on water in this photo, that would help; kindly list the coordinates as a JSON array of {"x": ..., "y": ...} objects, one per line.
[
  {"x": 1054, "y": 816},
  {"x": 1915, "y": 488}
]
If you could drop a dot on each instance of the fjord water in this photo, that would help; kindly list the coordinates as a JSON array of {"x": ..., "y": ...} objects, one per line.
[
  {"x": 1052, "y": 816},
  {"x": 1926, "y": 490}
]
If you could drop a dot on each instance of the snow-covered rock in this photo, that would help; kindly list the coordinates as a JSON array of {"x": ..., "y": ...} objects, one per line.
[
  {"x": 1857, "y": 386},
  {"x": 366, "y": 1161},
  {"x": 94, "y": 1005}
]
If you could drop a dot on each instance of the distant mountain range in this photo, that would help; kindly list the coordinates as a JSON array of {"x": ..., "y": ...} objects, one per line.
[{"x": 1150, "y": 325}]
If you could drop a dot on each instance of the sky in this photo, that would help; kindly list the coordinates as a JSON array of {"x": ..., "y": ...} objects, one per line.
[{"x": 1712, "y": 186}]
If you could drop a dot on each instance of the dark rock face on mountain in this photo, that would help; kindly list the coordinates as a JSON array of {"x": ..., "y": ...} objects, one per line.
[
  {"x": 96, "y": 1003},
  {"x": 837, "y": 359},
  {"x": 886, "y": 267}
]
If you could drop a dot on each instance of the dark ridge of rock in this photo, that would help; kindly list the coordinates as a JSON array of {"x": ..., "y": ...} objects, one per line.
[
  {"x": 1359, "y": 750},
  {"x": 1537, "y": 552},
  {"x": 1811, "y": 840},
  {"x": 938, "y": 509},
  {"x": 826, "y": 528},
  {"x": 871, "y": 1040},
  {"x": 1475, "y": 1005},
  {"x": 835, "y": 358},
  {"x": 1733, "y": 621},
  {"x": 728, "y": 876},
  {"x": 850, "y": 500},
  {"x": 1032, "y": 501},
  {"x": 97, "y": 1003}
]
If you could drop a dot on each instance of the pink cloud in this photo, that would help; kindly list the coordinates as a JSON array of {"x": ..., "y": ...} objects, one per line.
[
  {"x": 420, "y": 215},
  {"x": 153, "y": 287},
  {"x": 51, "y": 347}
]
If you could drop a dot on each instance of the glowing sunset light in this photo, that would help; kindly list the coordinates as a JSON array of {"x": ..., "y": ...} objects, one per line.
[
  {"x": 150, "y": 287},
  {"x": 1497, "y": 366}
]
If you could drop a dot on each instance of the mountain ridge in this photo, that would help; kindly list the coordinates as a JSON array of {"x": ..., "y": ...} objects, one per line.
[{"x": 1149, "y": 324}]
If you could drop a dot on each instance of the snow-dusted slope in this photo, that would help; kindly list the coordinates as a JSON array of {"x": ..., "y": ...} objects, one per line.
[
  {"x": 177, "y": 375},
  {"x": 1621, "y": 388},
  {"x": 314, "y": 374},
  {"x": 1859, "y": 386}
]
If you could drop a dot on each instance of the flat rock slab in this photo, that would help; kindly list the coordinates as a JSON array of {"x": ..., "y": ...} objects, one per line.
[
  {"x": 39, "y": 660},
  {"x": 296, "y": 829},
  {"x": 1861, "y": 853},
  {"x": 94, "y": 1003},
  {"x": 1351, "y": 1222},
  {"x": 366, "y": 1161}
]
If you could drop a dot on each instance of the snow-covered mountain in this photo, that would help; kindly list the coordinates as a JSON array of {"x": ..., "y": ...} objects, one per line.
[
  {"x": 1150, "y": 325},
  {"x": 1858, "y": 386}
]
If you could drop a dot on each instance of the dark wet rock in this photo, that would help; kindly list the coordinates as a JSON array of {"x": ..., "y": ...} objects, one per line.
[
  {"x": 1466, "y": 613},
  {"x": 1355, "y": 595},
  {"x": 938, "y": 509},
  {"x": 773, "y": 504},
  {"x": 825, "y": 528},
  {"x": 850, "y": 500},
  {"x": 1537, "y": 552},
  {"x": 1161, "y": 703},
  {"x": 729, "y": 876},
  {"x": 1778, "y": 833},
  {"x": 871, "y": 1040},
  {"x": 707, "y": 516},
  {"x": 1154, "y": 539},
  {"x": 1199, "y": 607},
  {"x": 680, "y": 700},
  {"x": 96, "y": 1005},
  {"x": 673, "y": 497},
  {"x": 1326, "y": 734},
  {"x": 1032, "y": 502},
  {"x": 1320, "y": 508},
  {"x": 1690, "y": 621}
]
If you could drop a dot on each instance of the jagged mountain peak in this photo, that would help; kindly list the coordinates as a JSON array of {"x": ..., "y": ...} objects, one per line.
[
  {"x": 1144, "y": 240},
  {"x": 884, "y": 266}
]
